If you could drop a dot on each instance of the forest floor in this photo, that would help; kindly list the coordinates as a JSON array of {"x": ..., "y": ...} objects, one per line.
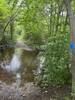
[{"x": 31, "y": 91}]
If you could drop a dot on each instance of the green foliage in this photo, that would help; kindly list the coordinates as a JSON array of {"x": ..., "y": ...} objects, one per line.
[
  {"x": 4, "y": 8},
  {"x": 56, "y": 69},
  {"x": 34, "y": 22},
  {"x": 4, "y": 13}
]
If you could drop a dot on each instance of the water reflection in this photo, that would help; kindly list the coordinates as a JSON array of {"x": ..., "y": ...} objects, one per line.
[
  {"x": 41, "y": 64},
  {"x": 14, "y": 64},
  {"x": 17, "y": 66},
  {"x": 18, "y": 80}
]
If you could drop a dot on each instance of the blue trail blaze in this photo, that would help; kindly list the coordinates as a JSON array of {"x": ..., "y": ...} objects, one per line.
[{"x": 71, "y": 45}]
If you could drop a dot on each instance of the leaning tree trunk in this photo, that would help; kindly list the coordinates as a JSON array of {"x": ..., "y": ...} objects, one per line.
[
  {"x": 12, "y": 29},
  {"x": 72, "y": 38}
]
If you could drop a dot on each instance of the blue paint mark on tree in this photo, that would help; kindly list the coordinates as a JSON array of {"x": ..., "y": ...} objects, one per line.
[{"x": 71, "y": 45}]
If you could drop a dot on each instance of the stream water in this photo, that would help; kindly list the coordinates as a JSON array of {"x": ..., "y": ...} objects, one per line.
[{"x": 17, "y": 64}]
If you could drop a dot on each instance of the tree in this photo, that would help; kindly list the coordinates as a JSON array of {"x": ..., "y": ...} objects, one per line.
[
  {"x": 4, "y": 13},
  {"x": 72, "y": 38},
  {"x": 56, "y": 66}
]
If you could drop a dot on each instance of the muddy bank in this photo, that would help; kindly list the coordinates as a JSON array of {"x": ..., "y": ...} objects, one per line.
[
  {"x": 11, "y": 92},
  {"x": 31, "y": 91}
]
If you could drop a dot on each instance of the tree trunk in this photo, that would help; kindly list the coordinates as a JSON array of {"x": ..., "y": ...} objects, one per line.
[
  {"x": 12, "y": 29},
  {"x": 72, "y": 38}
]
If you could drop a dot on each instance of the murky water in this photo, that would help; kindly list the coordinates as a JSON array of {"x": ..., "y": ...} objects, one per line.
[{"x": 17, "y": 65}]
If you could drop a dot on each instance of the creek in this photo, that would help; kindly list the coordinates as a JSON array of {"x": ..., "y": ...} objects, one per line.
[{"x": 18, "y": 64}]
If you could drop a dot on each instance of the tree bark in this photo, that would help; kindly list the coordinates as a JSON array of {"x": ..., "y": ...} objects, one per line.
[
  {"x": 72, "y": 38},
  {"x": 12, "y": 29}
]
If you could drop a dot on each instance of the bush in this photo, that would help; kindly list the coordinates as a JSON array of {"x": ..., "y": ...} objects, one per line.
[{"x": 56, "y": 66}]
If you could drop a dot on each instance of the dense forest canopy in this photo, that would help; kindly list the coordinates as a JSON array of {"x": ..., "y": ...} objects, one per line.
[{"x": 33, "y": 19}]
